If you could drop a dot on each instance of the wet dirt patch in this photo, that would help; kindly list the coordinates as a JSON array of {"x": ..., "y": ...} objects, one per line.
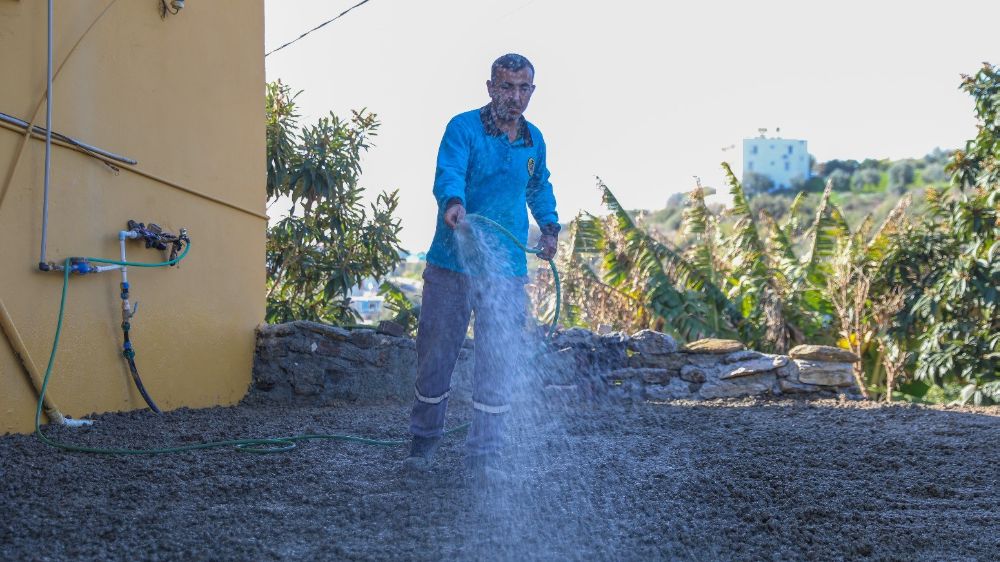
[{"x": 735, "y": 480}]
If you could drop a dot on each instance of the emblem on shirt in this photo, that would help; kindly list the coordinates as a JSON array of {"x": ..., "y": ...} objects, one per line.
[{"x": 531, "y": 166}]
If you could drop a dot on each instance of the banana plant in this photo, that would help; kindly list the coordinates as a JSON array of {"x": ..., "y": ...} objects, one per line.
[
  {"x": 753, "y": 284},
  {"x": 586, "y": 299},
  {"x": 673, "y": 289},
  {"x": 860, "y": 293}
]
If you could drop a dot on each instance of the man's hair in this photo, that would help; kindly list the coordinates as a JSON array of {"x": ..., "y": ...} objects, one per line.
[{"x": 512, "y": 62}]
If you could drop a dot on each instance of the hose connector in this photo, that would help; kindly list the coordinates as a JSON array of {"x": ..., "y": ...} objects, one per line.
[{"x": 81, "y": 266}]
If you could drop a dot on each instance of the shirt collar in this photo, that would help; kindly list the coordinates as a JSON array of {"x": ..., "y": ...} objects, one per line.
[{"x": 491, "y": 128}]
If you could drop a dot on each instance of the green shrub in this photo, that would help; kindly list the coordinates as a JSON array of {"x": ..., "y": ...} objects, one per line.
[{"x": 329, "y": 242}]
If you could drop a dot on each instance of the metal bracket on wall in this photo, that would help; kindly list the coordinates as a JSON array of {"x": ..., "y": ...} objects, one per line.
[{"x": 173, "y": 9}]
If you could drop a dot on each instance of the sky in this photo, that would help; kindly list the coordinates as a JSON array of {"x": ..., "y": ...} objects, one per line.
[{"x": 646, "y": 95}]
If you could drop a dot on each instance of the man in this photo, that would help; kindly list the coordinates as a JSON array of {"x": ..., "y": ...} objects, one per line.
[{"x": 491, "y": 162}]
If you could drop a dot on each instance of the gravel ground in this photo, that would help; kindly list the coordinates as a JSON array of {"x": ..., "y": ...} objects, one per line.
[{"x": 736, "y": 480}]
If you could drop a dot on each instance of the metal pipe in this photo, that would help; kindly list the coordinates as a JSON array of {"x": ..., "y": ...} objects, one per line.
[
  {"x": 41, "y": 131},
  {"x": 42, "y": 262},
  {"x": 24, "y": 140},
  {"x": 34, "y": 375},
  {"x": 122, "y": 236},
  {"x": 127, "y": 310}
]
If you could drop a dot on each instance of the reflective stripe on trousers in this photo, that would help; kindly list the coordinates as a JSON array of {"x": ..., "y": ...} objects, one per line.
[
  {"x": 449, "y": 298},
  {"x": 429, "y": 400},
  {"x": 490, "y": 409}
]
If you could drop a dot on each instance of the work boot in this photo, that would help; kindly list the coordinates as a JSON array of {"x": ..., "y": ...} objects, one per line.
[
  {"x": 486, "y": 470},
  {"x": 422, "y": 451}
]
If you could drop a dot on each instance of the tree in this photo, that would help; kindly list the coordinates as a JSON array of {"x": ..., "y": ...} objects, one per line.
[
  {"x": 938, "y": 156},
  {"x": 951, "y": 263},
  {"x": 405, "y": 312},
  {"x": 813, "y": 184},
  {"x": 676, "y": 200},
  {"x": 840, "y": 179},
  {"x": 865, "y": 177},
  {"x": 329, "y": 242},
  {"x": 870, "y": 164},
  {"x": 846, "y": 166},
  {"x": 755, "y": 183},
  {"x": 934, "y": 173},
  {"x": 901, "y": 174}
]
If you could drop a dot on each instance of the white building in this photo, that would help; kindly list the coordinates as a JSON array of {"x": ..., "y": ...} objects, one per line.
[{"x": 782, "y": 160}]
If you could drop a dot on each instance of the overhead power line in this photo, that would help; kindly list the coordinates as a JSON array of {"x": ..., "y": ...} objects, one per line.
[{"x": 340, "y": 15}]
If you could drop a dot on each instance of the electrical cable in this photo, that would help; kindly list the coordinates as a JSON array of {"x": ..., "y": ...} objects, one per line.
[
  {"x": 269, "y": 53},
  {"x": 83, "y": 147}
]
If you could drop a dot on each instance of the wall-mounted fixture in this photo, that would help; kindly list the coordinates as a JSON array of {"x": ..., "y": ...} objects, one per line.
[{"x": 173, "y": 7}]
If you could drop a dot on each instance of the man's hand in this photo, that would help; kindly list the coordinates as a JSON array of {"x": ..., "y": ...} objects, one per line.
[
  {"x": 547, "y": 246},
  {"x": 453, "y": 215}
]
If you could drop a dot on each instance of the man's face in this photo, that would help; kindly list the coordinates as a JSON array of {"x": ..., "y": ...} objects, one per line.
[{"x": 510, "y": 91}]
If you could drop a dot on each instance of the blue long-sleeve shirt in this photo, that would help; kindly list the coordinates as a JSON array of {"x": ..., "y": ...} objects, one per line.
[{"x": 491, "y": 176}]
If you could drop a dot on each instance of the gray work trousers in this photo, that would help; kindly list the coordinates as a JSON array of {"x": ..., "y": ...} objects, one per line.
[{"x": 449, "y": 299}]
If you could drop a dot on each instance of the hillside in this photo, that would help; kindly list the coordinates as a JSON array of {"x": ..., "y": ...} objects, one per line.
[{"x": 860, "y": 189}]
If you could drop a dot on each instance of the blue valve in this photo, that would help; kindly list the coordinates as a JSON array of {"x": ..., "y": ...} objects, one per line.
[{"x": 81, "y": 266}]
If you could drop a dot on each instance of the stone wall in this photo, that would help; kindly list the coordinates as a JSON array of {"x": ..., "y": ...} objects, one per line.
[{"x": 315, "y": 363}]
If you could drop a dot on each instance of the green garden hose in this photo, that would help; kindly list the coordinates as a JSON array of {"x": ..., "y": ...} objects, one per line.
[
  {"x": 260, "y": 446},
  {"x": 552, "y": 262}
]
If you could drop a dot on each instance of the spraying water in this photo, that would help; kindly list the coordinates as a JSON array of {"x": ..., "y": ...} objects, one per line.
[{"x": 536, "y": 501}]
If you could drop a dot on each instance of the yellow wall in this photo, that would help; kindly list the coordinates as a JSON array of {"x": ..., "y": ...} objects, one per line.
[{"x": 184, "y": 97}]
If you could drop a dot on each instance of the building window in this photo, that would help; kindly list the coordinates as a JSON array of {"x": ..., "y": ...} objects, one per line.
[
  {"x": 789, "y": 149},
  {"x": 753, "y": 150},
  {"x": 786, "y": 166}
]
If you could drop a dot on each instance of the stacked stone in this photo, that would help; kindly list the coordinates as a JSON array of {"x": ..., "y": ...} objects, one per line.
[
  {"x": 312, "y": 363},
  {"x": 718, "y": 368},
  {"x": 316, "y": 363}
]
